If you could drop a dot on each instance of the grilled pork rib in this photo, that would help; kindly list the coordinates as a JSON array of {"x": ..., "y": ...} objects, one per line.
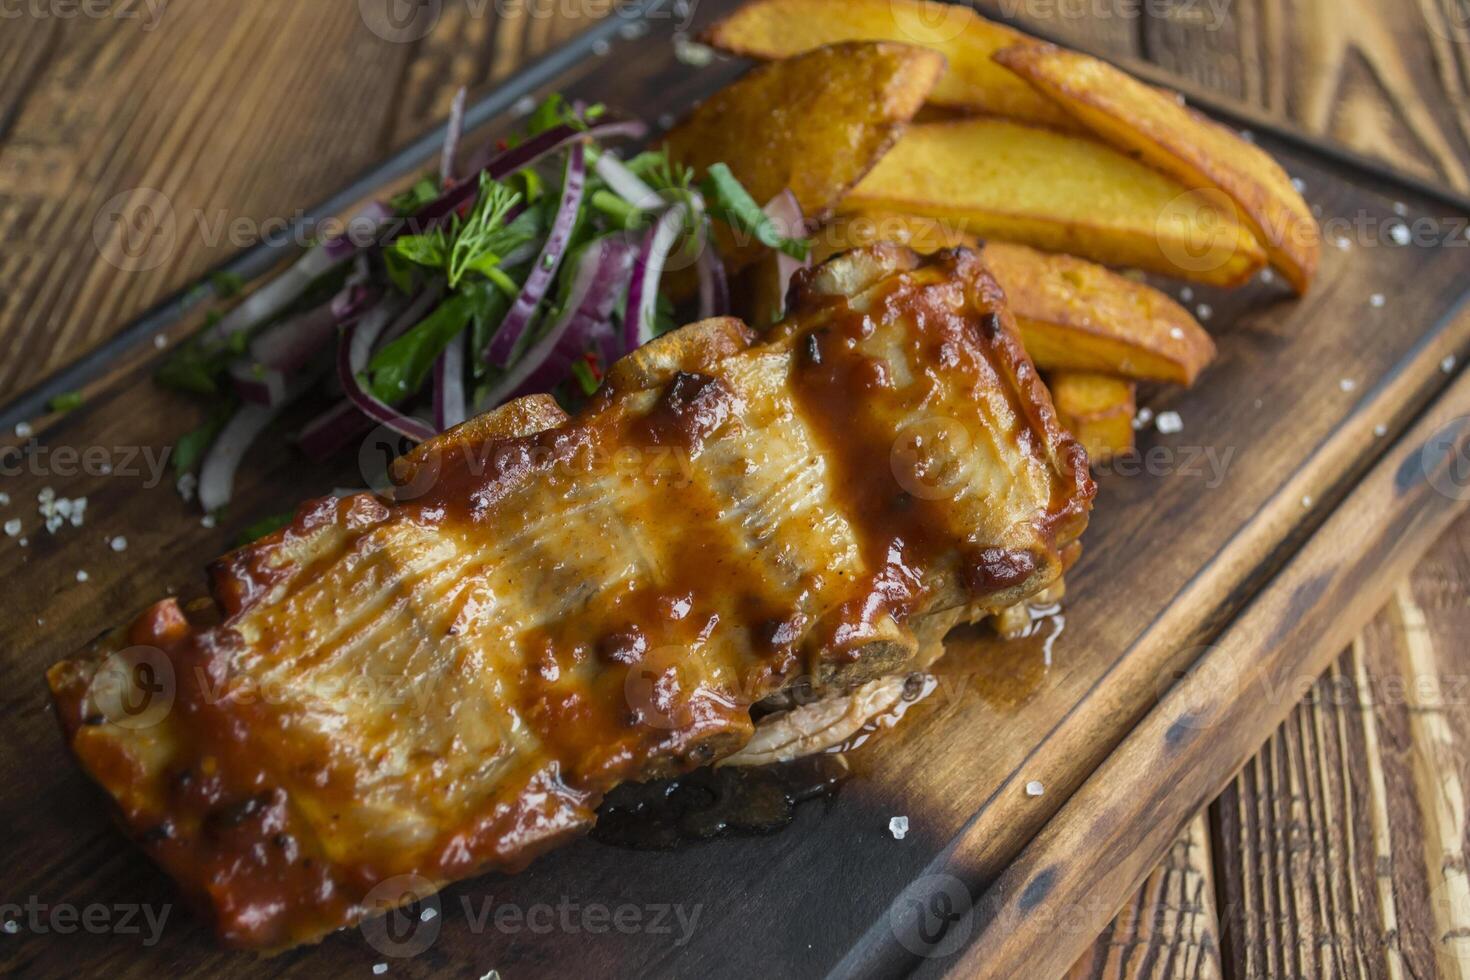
[{"x": 448, "y": 682}]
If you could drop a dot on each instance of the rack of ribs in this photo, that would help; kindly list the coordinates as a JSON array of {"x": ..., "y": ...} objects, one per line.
[{"x": 446, "y": 680}]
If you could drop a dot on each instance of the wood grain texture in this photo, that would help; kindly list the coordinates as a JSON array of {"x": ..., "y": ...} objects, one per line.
[
  {"x": 198, "y": 123},
  {"x": 234, "y": 114},
  {"x": 1088, "y": 855},
  {"x": 1170, "y": 930}
]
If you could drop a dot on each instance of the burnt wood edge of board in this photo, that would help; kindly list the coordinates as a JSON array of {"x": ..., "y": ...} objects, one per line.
[
  {"x": 260, "y": 259},
  {"x": 1189, "y": 747}
]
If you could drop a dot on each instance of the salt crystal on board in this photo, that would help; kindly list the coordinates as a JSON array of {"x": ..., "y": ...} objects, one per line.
[
  {"x": 1169, "y": 423},
  {"x": 898, "y": 826},
  {"x": 1034, "y": 788}
]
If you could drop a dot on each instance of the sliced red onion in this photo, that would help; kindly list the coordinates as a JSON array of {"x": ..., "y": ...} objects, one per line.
[
  {"x": 518, "y": 319},
  {"x": 274, "y": 296},
  {"x": 626, "y": 184},
  {"x": 647, "y": 269},
  {"x": 333, "y": 430},
  {"x": 452, "y": 134},
  {"x": 500, "y": 165},
  {"x": 257, "y": 384},
  {"x": 353, "y": 352},
  {"x": 217, "y": 474},
  {"x": 449, "y": 399},
  {"x": 714, "y": 287},
  {"x": 785, "y": 213},
  {"x": 287, "y": 346},
  {"x": 362, "y": 230},
  {"x": 597, "y": 284},
  {"x": 595, "y": 288}
]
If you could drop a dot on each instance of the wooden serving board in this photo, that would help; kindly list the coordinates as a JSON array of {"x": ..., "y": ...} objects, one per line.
[{"x": 1314, "y": 465}]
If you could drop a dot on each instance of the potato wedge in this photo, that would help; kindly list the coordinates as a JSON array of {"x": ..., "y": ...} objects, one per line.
[
  {"x": 1159, "y": 129},
  {"x": 775, "y": 29},
  {"x": 1097, "y": 409},
  {"x": 1074, "y": 314},
  {"x": 815, "y": 124},
  {"x": 1077, "y": 315},
  {"x": 1063, "y": 193}
]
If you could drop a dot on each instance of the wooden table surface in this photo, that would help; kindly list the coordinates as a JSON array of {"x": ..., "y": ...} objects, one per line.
[{"x": 1339, "y": 851}]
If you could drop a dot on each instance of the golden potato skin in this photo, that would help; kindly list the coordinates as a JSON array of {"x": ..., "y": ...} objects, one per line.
[
  {"x": 1097, "y": 409},
  {"x": 815, "y": 124},
  {"x": 774, "y": 29},
  {"x": 1073, "y": 314},
  {"x": 1063, "y": 193},
  {"x": 1157, "y": 127}
]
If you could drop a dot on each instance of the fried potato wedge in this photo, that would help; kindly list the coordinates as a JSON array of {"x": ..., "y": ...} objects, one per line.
[
  {"x": 1159, "y": 129},
  {"x": 1074, "y": 314},
  {"x": 776, "y": 29},
  {"x": 1077, "y": 315},
  {"x": 1097, "y": 409},
  {"x": 815, "y": 124},
  {"x": 1063, "y": 193}
]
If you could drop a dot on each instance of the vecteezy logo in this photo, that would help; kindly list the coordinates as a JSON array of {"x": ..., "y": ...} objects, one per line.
[
  {"x": 375, "y": 461},
  {"x": 1207, "y": 678},
  {"x": 134, "y": 688},
  {"x": 934, "y": 916},
  {"x": 136, "y": 230},
  {"x": 1445, "y": 459},
  {"x": 931, "y": 458},
  {"x": 1198, "y": 231},
  {"x": 397, "y": 931},
  {"x": 930, "y": 23},
  {"x": 400, "y": 21}
]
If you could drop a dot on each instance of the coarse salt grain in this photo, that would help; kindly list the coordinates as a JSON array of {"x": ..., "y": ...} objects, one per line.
[
  {"x": 1448, "y": 364},
  {"x": 186, "y": 486},
  {"x": 380, "y": 968},
  {"x": 1034, "y": 788},
  {"x": 11, "y": 927},
  {"x": 4, "y": 499},
  {"x": 1400, "y": 208},
  {"x": 1299, "y": 184},
  {"x": 427, "y": 914},
  {"x": 1176, "y": 332},
  {"x": 1347, "y": 384},
  {"x": 1204, "y": 311},
  {"x": 1380, "y": 430},
  {"x": 82, "y": 575},
  {"x": 601, "y": 47},
  {"x": 1378, "y": 301},
  {"x": 23, "y": 430},
  {"x": 1169, "y": 423},
  {"x": 1143, "y": 418},
  {"x": 207, "y": 520},
  {"x": 1268, "y": 276},
  {"x": 1307, "y": 502},
  {"x": 160, "y": 341},
  {"x": 1186, "y": 294},
  {"x": 898, "y": 826},
  {"x": 118, "y": 543},
  {"x": 12, "y": 526},
  {"x": 1401, "y": 234},
  {"x": 692, "y": 53}
]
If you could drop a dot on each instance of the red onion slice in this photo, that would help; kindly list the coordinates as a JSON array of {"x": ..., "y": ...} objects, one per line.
[
  {"x": 785, "y": 212},
  {"x": 596, "y": 285},
  {"x": 353, "y": 353},
  {"x": 647, "y": 269},
  {"x": 217, "y": 474},
  {"x": 449, "y": 399},
  {"x": 330, "y": 432},
  {"x": 626, "y": 184},
  {"x": 258, "y": 384},
  {"x": 290, "y": 344},
  {"x": 452, "y": 135},
  {"x": 714, "y": 287},
  {"x": 500, "y": 165},
  {"x": 518, "y": 319}
]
